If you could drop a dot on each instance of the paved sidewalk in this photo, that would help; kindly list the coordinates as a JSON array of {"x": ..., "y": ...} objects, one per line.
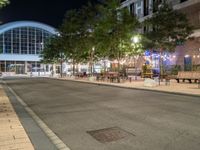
[
  {"x": 12, "y": 134},
  {"x": 173, "y": 87}
]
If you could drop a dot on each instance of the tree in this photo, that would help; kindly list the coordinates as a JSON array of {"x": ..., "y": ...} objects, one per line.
[
  {"x": 167, "y": 28},
  {"x": 114, "y": 30},
  {"x": 71, "y": 36},
  {"x": 53, "y": 51},
  {"x": 3, "y": 3},
  {"x": 77, "y": 32}
]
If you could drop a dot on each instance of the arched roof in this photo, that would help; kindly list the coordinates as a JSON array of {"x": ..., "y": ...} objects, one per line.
[{"x": 17, "y": 24}]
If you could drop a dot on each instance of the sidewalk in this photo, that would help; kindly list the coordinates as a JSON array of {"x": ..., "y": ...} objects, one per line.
[
  {"x": 12, "y": 134},
  {"x": 173, "y": 87}
]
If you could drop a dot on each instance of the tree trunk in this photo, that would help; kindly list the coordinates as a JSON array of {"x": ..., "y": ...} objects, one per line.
[
  {"x": 118, "y": 70},
  {"x": 61, "y": 69},
  {"x": 73, "y": 67},
  {"x": 160, "y": 66}
]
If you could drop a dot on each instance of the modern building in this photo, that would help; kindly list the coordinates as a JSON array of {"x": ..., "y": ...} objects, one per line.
[
  {"x": 21, "y": 43},
  {"x": 187, "y": 54}
]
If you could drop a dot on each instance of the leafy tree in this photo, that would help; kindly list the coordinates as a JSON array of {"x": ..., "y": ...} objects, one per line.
[
  {"x": 114, "y": 30},
  {"x": 77, "y": 30},
  {"x": 3, "y": 3},
  {"x": 167, "y": 28},
  {"x": 71, "y": 36},
  {"x": 53, "y": 52}
]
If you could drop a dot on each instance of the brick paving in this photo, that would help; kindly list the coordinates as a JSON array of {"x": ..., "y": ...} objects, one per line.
[{"x": 12, "y": 133}]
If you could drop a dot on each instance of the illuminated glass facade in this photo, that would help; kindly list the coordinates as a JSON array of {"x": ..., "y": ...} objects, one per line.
[
  {"x": 23, "y": 40},
  {"x": 20, "y": 46}
]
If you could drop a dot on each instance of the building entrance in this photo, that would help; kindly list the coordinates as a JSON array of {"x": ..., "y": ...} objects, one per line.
[{"x": 20, "y": 69}]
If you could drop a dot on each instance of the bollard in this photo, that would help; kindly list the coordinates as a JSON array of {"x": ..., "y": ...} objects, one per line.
[
  {"x": 130, "y": 79},
  {"x": 167, "y": 81}
]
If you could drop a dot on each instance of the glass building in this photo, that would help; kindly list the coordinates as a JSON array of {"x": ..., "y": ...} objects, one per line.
[{"x": 20, "y": 46}]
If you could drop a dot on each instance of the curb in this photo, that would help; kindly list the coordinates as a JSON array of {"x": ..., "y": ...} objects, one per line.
[{"x": 133, "y": 88}]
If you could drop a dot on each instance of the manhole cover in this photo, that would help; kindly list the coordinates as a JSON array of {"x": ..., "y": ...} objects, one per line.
[{"x": 108, "y": 134}]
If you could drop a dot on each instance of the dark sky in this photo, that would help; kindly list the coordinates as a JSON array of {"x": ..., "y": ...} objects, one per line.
[{"x": 47, "y": 11}]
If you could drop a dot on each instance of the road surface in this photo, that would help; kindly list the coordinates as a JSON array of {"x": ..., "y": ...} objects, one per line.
[{"x": 138, "y": 119}]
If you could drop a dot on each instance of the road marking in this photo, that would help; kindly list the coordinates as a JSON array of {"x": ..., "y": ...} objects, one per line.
[{"x": 50, "y": 134}]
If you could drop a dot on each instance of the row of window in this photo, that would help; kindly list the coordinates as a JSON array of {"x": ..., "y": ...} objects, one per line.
[
  {"x": 19, "y": 67},
  {"x": 142, "y": 8},
  {"x": 24, "y": 40}
]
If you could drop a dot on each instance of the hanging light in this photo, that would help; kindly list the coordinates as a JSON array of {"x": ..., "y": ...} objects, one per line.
[{"x": 186, "y": 56}]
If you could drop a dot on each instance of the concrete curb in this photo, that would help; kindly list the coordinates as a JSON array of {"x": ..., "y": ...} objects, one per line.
[
  {"x": 50, "y": 134},
  {"x": 119, "y": 86}
]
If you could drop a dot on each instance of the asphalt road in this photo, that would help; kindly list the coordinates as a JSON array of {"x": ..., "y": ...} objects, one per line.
[{"x": 152, "y": 120}]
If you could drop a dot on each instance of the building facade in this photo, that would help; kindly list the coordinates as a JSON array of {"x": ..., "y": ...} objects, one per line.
[
  {"x": 21, "y": 43},
  {"x": 187, "y": 54}
]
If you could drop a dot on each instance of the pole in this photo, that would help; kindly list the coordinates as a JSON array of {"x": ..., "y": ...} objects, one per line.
[
  {"x": 61, "y": 65},
  {"x": 61, "y": 75}
]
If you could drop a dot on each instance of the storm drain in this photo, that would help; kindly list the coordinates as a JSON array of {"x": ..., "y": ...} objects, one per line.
[{"x": 109, "y": 134}]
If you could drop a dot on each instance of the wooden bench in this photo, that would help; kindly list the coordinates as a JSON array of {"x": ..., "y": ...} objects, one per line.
[
  {"x": 188, "y": 75},
  {"x": 108, "y": 76}
]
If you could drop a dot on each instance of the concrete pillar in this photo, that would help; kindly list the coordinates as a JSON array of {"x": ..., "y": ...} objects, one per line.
[
  {"x": 5, "y": 67},
  {"x": 26, "y": 67},
  {"x": 15, "y": 67},
  {"x": 54, "y": 70},
  {"x": 44, "y": 68}
]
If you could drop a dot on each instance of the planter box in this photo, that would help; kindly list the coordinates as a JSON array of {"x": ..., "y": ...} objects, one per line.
[
  {"x": 150, "y": 82},
  {"x": 92, "y": 79}
]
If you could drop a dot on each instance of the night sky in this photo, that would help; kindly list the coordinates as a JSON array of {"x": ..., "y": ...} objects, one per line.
[{"x": 50, "y": 12}]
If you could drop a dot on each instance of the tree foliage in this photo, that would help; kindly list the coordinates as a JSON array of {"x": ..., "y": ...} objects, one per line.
[
  {"x": 115, "y": 28},
  {"x": 3, "y": 3},
  {"x": 105, "y": 30},
  {"x": 53, "y": 50},
  {"x": 167, "y": 28}
]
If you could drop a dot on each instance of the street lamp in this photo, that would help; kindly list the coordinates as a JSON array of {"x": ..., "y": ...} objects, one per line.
[
  {"x": 135, "y": 40},
  {"x": 92, "y": 61},
  {"x": 61, "y": 64}
]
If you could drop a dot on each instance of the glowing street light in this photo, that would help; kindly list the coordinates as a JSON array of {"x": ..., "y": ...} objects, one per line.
[{"x": 135, "y": 39}]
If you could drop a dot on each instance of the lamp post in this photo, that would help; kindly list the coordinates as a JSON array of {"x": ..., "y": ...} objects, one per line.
[
  {"x": 61, "y": 64},
  {"x": 92, "y": 61},
  {"x": 135, "y": 40}
]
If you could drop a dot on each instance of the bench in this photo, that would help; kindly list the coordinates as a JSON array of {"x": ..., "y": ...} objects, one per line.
[
  {"x": 108, "y": 76},
  {"x": 188, "y": 75}
]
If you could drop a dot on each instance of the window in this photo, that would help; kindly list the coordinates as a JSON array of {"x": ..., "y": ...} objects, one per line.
[
  {"x": 146, "y": 7},
  {"x": 31, "y": 38},
  {"x": 24, "y": 36},
  {"x": 138, "y": 9},
  {"x": 7, "y": 37},
  {"x": 16, "y": 41},
  {"x": 23, "y": 40},
  {"x": 1, "y": 43},
  {"x": 183, "y": 1},
  {"x": 132, "y": 9}
]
